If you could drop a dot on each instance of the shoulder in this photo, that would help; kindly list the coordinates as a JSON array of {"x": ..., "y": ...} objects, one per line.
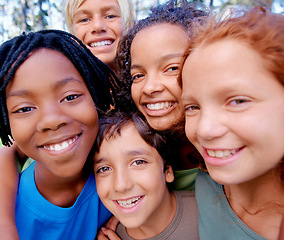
[
  {"x": 121, "y": 232},
  {"x": 186, "y": 199},
  {"x": 187, "y": 213}
]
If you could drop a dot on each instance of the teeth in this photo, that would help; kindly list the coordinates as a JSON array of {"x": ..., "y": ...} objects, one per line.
[
  {"x": 101, "y": 44},
  {"x": 221, "y": 153},
  {"x": 129, "y": 203},
  {"x": 159, "y": 106},
  {"x": 60, "y": 146}
]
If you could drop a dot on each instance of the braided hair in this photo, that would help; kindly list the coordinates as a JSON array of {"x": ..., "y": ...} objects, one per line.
[
  {"x": 181, "y": 13},
  {"x": 100, "y": 80}
]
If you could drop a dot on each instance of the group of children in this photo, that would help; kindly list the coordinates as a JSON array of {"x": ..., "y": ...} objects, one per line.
[{"x": 228, "y": 86}]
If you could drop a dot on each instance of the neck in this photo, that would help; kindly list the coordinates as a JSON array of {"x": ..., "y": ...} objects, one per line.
[
  {"x": 60, "y": 191},
  {"x": 159, "y": 221},
  {"x": 259, "y": 203}
]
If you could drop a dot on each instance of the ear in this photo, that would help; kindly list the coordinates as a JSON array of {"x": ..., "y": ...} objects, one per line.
[{"x": 169, "y": 174}]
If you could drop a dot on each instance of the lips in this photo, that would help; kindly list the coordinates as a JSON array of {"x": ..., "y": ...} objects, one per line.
[
  {"x": 221, "y": 157},
  {"x": 223, "y": 154},
  {"x": 61, "y": 145},
  {"x": 131, "y": 202},
  {"x": 159, "y": 106},
  {"x": 103, "y": 43}
]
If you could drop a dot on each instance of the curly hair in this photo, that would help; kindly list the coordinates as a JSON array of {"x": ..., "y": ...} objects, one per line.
[
  {"x": 97, "y": 75},
  {"x": 181, "y": 14}
]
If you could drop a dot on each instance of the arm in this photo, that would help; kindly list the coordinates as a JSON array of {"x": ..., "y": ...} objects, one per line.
[
  {"x": 108, "y": 232},
  {"x": 9, "y": 176}
]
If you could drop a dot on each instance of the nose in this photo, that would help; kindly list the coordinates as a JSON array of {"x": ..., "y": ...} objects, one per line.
[
  {"x": 98, "y": 25},
  {"x": 122, "y": 181},
  {"x": 51, "y": 117},
  {"x": 152, "y": 84},
  {"x": 211, "y": 125}
]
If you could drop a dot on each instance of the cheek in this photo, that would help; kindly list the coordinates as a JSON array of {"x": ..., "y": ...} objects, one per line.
[
  {"x": 89, "y": 114},
  {"x": 119, "y": 28},
  {"x": 79, "y": 31},
  {"x": 188, "y": 129},
  {"x": 135, "y": 93},
  {"x": 102, "y": 186},
  {"x": 191, "y": 132},
  {"x": 22, "y": 131}
]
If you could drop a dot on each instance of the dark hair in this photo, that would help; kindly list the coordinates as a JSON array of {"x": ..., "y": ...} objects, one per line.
[
  {"x": 181, "y": 14},
  {"x": 112, "y": 123},
  {"x": 97, "y": 75}
]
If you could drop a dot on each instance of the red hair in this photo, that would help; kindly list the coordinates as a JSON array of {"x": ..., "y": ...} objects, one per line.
[
  {"x": 259, "y": 28},
  {"x": 262, "y": 30}
]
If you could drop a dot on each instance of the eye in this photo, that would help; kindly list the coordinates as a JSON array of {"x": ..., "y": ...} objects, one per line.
[
  {"x": 172, "y": 68},
  {"x": 103, "y": 169},
  {"x": 136, "y": 77},
  {"x": 238, "y": 101},
  {"x": 111, "y": 16},
  {"x": 139, "y": 162},
  {"x": 191, "y": 108},
  {"x": 71, "y": 97},
  {"x": 24, "y": 110},
  {"x": 83, "y": 20}
]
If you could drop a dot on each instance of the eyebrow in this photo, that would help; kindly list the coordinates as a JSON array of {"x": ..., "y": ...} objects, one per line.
[
  {"x": 103, "y": 9},
  {"x": 58, "y": 84},
  {"x": 163, "y": 58},
  {"x": 128, "y": 153}
]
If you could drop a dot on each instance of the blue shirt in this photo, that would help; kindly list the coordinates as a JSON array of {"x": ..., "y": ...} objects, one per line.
[{"x": 36, "y": 218}]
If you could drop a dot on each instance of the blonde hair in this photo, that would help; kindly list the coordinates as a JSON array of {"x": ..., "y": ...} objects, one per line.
[{"x": 126, "y": 8}]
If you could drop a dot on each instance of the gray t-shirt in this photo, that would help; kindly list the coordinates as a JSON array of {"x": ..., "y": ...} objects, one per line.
[{"x": 184, "y": 224}]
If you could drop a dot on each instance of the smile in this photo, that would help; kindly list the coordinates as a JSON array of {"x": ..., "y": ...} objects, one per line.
[
  {"x": 159, "y": 106},
  {"x": 60, "y": 146},
  {"x": 222, "y": 153},
  {"x": 101, "y": 44},
  {"x": 129, "y": 202}
]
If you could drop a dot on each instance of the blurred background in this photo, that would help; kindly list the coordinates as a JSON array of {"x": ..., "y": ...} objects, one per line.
[{"x": 17, "y": 16}]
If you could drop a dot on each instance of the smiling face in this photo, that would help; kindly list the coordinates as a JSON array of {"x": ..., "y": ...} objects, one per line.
[
  {"x": 99, "y": 25},
  {"x": 156, "y": 54},
  {"x": 234, "y": 111},
  {"x": 52, "y": 115},
  {"x": 131, "y": 180}
]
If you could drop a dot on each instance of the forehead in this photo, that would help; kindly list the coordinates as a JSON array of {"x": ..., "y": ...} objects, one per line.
[
  {"x": 43, "y": 56},
  {"x": 222, "y": 65},
  {"x": 174, "y": 32},
  {"x": 98, "y": 5},
  {"x": 156, "y": 41},
  {"x": 127, "y": 141},
  {"x": 46, "y": 65}
]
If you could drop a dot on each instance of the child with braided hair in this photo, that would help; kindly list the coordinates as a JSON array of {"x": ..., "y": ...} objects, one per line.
[
  {"x": 99, "y": 25},
  {"x": 53, "y": 92}
]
